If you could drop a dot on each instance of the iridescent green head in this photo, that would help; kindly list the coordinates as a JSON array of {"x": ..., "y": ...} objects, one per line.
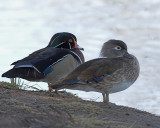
[{"x": 63, "y": 40}]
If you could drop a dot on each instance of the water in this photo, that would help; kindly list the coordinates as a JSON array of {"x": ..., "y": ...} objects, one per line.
[{"x": 26, "y": 26}]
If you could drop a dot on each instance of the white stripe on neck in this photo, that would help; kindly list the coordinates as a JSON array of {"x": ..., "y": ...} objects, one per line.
[{"x": 77, "y": 56}]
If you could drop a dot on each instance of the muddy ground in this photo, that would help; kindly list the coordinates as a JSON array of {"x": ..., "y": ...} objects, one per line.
[{"x": 30, "y": 109}]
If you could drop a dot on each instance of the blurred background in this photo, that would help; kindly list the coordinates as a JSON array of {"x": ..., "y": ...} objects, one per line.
[{"x": 28, "y": 25}]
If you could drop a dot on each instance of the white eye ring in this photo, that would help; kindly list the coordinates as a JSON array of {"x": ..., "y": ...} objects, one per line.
[{"x": 117, "y": 48}]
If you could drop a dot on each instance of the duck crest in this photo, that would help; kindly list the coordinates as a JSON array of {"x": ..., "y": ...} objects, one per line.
[{"x": 60, "y": 38}]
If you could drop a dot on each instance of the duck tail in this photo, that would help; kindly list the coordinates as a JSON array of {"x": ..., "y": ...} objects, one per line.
[
  {"x": 25, "y": 73},
  {"x": 12, "y": 73},
  {"x": 66, "y": 83}
]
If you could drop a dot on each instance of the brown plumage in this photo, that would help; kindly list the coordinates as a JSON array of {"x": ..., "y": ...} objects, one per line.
[{"x": 106, "y": 75}]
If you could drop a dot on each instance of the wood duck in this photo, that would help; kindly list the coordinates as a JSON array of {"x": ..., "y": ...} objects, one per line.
[
  {"x": 49, "y": 64},
  {"x": 115, "y": 71}
]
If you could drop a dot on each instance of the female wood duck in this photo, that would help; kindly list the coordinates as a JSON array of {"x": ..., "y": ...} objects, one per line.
[
  {"x": 115, "y": 71},
  {"x": 52, "y": 63}
]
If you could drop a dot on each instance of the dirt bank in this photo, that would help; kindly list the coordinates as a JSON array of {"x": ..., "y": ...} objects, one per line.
[{"x": 28, "y": 109}]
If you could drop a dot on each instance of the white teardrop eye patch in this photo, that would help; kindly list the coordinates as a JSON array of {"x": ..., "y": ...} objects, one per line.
[{"x": 117, "y": 48}]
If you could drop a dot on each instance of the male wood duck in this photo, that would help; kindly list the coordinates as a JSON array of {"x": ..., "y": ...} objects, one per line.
[
  {"x": 49, "y": 64},
  {"x": 115, "y": 71}
]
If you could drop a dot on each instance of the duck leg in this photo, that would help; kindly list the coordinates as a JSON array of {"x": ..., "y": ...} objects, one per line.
[
  {"x": 49, "y": 87},
  {"x": 105, "y": 97}
]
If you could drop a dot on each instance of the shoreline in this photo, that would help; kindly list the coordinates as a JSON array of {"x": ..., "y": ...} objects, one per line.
[{"x": 20, "y": 108}]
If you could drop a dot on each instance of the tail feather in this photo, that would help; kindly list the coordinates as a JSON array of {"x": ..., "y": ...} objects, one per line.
[
  {"x": 67, "y": 83},
  {"x": 10, "y": 74},
  {"x": 25, "y": 73},
  {"x": 62, "y": 83}
]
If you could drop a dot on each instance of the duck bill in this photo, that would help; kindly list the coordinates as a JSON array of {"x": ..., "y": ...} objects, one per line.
[
  {"x": 128, "y": 55},
  {"x": 78, "y": 47}
]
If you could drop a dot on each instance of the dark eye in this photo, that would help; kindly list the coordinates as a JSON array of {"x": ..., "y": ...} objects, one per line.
[{"x": 117, "y": 48}]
